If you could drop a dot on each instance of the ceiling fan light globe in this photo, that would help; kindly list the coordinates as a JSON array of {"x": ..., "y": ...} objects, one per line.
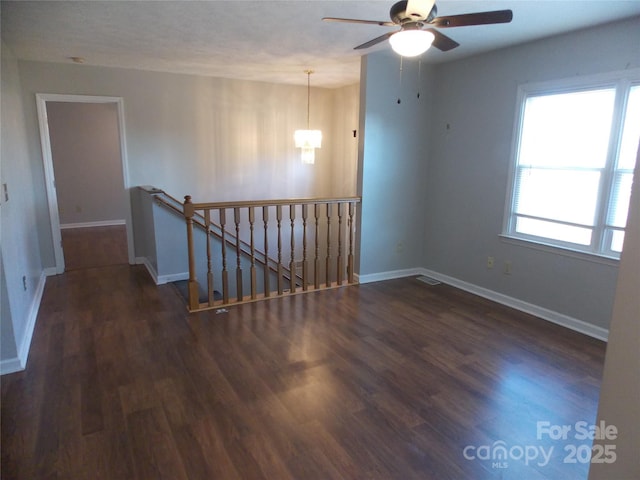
[{"x": 411, "y": 43}]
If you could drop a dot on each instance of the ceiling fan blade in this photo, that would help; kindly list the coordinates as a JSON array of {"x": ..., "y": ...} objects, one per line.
[
  {"x": 441, "y": 41},
  {"x": 419, "y": 9},
  {"x": 375, "y": 41},
  {"x": 468, "y": 19},
  {"x": 355, "y": 20}
]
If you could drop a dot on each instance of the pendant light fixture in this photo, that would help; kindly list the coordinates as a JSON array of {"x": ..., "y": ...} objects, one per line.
[{"x": 308, "y": 140}]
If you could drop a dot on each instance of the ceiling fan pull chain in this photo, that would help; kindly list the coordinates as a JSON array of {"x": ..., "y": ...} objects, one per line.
[
  {"x": 419, "y": 76},
  {"x": 400, "y": 81}
]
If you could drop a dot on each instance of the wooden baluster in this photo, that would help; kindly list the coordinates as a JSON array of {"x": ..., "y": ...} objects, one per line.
[
  {"x": 252, "y": 219},
  {"x": 328, "y": 260},
  {"x": 292, "y": 263},
  {"x": 316, "y": 272},
  {"x": 350, "y": 278},
  {"x": 236, "y": 218},
  {"x": 305, "y": 213},
  {"x": 225, "y": 275},
  {"x": 340, "y": 261},
  {"x": 266, "y": 273},
  {"x": 193, "y": 287},
  {"x": 279, "y": 220},
  {"x": 207, "y": 227}
]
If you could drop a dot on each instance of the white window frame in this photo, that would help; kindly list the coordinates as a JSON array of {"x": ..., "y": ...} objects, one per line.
[{"x": 621, "y": 81}]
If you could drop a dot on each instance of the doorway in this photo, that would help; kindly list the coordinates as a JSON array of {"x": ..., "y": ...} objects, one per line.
[{"x": 85, "y": 167}]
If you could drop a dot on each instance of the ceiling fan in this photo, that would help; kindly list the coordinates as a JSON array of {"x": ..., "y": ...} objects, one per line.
[{"x": 418, "y": 21}]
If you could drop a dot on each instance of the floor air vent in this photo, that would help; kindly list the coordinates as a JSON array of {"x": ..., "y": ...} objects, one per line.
[{"x": 428, "y": 280}]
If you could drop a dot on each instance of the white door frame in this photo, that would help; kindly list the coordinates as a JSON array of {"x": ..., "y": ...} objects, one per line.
[{"x": 47, "y": 160}]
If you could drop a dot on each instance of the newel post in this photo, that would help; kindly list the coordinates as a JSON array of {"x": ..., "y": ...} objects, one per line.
[{"x": 193, "y": 291}]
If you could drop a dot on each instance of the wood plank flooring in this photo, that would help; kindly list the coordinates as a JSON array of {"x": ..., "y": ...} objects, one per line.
[
  {"x": 390, "y": 380},
  {"x": 94, "y": 247}
]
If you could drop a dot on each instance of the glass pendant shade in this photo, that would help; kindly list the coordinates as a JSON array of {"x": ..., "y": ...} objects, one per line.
[
  {"x": 411, "y": 43},
  {"x": 308, "y": 138},
  {"x": 308, "y": 155}
]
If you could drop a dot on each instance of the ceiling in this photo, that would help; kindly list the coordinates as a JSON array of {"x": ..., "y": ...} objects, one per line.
[{"x": 271, "y": 41}]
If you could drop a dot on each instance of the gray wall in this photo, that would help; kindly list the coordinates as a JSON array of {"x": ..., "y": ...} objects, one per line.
[
  {"x": 85, "y": 147},
  {"x": 393, "y": 166},
  {"x": 8, "y": 348},
  {"x": 18, "y": 239},
  {"x": 620, "y": 391},
  {"x": 215, "y": 139},
  {"x": 469, "y": 167}
]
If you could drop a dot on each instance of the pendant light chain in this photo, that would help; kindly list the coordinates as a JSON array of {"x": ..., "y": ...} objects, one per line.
[
  {"x": 308, "y": 99},
  {"x": 419, "y": 76},
  {"x": 308, "y": 140},
  {"x": 400, "y": 82},
  {"x": 308, "y": 72}
]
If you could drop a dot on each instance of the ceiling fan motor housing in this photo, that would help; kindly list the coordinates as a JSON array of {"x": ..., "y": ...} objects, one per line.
[{"x": 398, "y": 14}]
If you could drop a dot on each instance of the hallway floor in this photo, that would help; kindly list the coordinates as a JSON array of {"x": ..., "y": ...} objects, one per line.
[{"x": 94, "y": 247}]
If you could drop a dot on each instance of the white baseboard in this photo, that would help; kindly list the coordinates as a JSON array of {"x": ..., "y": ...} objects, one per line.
[
  {"x": 103, "y": 223},
  {"x": 150, "y": 268},
  {"x": 536, "y": 310},
  {"x": 19, "y": 362},
  {"x": 10, "y": 365},
  {"x": 50, "y": 271},
  {"x": 160, "y": 279},
  {"x": 378, "y": 277},
  {"x": 174, "y": 277}
]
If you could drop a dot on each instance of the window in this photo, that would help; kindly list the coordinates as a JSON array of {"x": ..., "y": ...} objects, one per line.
[{"x": 575, "y": 153}]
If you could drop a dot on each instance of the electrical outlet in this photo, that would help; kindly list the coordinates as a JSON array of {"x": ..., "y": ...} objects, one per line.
[
  {"x": 507, "y": 267},
  {"x": 490, "y": 262},
  {"x": 399, "y": 247}
]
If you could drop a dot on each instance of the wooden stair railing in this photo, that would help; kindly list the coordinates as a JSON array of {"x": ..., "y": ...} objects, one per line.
[
  {"x": 260, "y": 258},
  {"x": 336, "y": 271}
]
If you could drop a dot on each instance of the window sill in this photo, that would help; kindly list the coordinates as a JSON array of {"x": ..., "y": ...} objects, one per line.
[{"x": 560, "y": 250}]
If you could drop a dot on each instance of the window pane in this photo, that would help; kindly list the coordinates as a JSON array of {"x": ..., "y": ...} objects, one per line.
[
  {"x": 555, "y": 231},
  {"x": 567, "y": 129},
  {"x": 620, "y": 197},
  {"x": 565, "y": 195},
  {"x": 631, "y": 131},
  {"x": 617, "y": 239}
]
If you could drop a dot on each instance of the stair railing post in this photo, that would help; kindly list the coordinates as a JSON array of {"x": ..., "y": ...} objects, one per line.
[
  {"x": 328, "y": 259},
  {"x": 193, "y": 287},
  {"x": 265, "y": 221},
  {"x": 252, "y": 271},
  {"x": 292, "y": 263},
  {"x": 350, "y": 273},
  {"x": 236, "y": 219},
  {"x": 280, "y": 268},
  {"x": 305, "y": 270},
  {"x": 340, "y": 260}
]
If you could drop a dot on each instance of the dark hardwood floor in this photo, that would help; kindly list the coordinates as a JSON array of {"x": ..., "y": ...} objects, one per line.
[
  {"x": 390, "y": 380},
  {"x": 94, "y": 247}
]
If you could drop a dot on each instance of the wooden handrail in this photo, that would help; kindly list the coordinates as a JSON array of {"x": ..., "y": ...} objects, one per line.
[
  {"x": 333, "y": 221},
  {"x": 259, "y": 256},
  {"x": 270, "y": 203}
]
